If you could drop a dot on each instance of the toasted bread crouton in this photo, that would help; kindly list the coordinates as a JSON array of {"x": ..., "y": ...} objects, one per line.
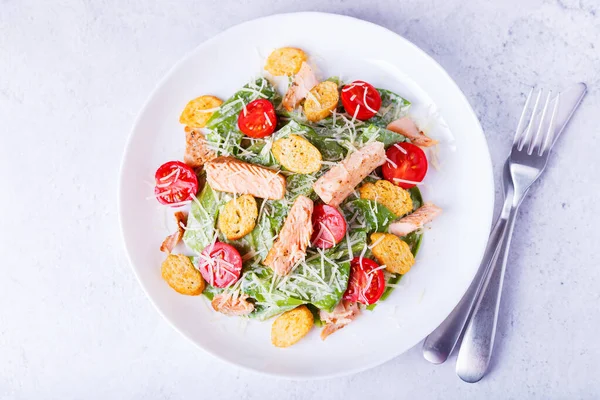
[
  {"x": 285, "y": 61},
  {"x": 199, "y": 110},
  {"x": 291, "y": 326},
  {"x": 393, "y": 252},
  {"x": 395, "y": 198},
  {"x": 321, "y": 101},
  {"x": 297, "y": 154},
  {"x": 179, "y": 272},
  {"x": 238, "y": 217}
]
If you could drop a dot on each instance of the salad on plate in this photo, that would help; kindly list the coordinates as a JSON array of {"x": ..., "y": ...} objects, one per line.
[{"x": 302, "y": 206}]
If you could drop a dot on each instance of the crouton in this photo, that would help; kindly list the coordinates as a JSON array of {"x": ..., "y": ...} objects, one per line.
[
  {"x": 321, "y": 101},
  {"x": 199, "y": 110},
  {"x": 238, "y": 217},
  {"x": 179, "y": 272},
  {"x": 393, "y": 252},
  {"x": 285, "y": 61},
  {"x": 297, "y": 154},
  {"x": 396, "y": 199},
  {"x": 291, "y": 326}
]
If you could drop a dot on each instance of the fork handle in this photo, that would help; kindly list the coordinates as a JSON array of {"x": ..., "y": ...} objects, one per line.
[
  {"x": 478, "y": 341},
  {"x": 439, "y": 344}
]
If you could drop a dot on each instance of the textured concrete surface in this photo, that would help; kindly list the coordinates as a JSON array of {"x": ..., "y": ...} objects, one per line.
[{"x": 75, "y": 324}]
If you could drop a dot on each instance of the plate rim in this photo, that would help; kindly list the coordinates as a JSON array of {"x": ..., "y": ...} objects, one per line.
[{"x": 167, "y": 76}]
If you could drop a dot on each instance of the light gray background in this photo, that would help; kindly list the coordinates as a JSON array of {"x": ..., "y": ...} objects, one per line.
[{"x": 75, "y": 324}]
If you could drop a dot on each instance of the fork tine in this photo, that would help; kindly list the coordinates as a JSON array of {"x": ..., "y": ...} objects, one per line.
[
  {"x": 525, "y": 137},
  {"x": 522, "y": 119},
  {"x": 551, "y": 128},
  {"x": 536, "y": 140}
]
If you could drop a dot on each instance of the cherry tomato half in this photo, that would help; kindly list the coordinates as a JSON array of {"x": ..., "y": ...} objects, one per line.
[
  {"x": 406, "y": 164},
  {"x": 365, "y": 285},
  {"x": 175, "y": 183},
  {"x": 257, "y": 119},
  {"x": 329, "y": 226},
  {"x": 220, "y": 264},
  {"x": 363, "y": 97}
]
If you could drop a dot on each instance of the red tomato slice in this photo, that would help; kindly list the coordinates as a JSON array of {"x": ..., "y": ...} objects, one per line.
[
  {"x": 220, "y": 264},
  {"x": 329, "y": 226},
  {"x": 365, "y": 285},
  {"x": 175, "y": 183},
  {"x": 363, "y": 97},
  {"x": 258, "y": 119},
  {"x": 406, "y": 165}
]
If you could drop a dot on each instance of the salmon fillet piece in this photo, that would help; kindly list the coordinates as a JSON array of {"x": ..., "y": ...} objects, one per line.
[
  {"x": 344, "y": 313},
  {"x": 228, "y": 174},
  {"x": 294, "y": 238},
  {"x": 424, "y": 214},
  {"x": 171, "y": 241},
  {"x": 303, "y": 82},
  {"x": 197, "y": 152},
  {"x": 407, "y": 128},
  {"x": 340, "y": 181},
  {"x": 232, "y": 304}
]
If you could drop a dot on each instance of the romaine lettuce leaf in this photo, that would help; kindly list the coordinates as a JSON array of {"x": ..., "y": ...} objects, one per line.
[
  {"x": 300, "y": 184},
  {"x": 200, "y": 231},
  {"x": 393, "y": 106},
  {"x": 318, "y": 281},
  {"x": 383, "y": 135},
  {"x": 224, "y": 135},
  {"x": 268, "y": 226},
  {"x": 415, "y": 195},
  {"x": 373, "y": 216}
]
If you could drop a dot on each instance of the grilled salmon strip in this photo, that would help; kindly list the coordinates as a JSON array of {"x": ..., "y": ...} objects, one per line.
[
  {"x": 171, "y": 241},
  {"x": 344, "y": 313},
  {"x": 303, "y": 82},
  {"x": 340, "y": 180},
  {"x": 294, "y": 238},
  {"x": 407, "y": 128},
  {"x": 423, "y": 215},
  {"x": 232, "y": 304},
  {"x": 227, "y": 174},
  {"x": 197, "y": 152}
]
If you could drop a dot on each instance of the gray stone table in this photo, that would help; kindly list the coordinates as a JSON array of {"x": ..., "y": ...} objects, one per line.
[{"x": 74, "y": 322}]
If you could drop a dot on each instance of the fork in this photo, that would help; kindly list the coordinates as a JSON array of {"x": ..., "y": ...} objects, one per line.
[{"x": 527, "y": 160}]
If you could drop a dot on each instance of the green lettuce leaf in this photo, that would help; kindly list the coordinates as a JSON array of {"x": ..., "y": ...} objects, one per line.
[
  {"x": 224, "y": 135},
  {"x": 380, "y": 134},
  {"x": 393, "y": 106},
  {"x": 321, "y": 283},
  {"x": 268, "y": 226},
  {"x": 375, "y": 217},
  {"x": 200, "y": 231},
  {"x": 300, "y": 184}
]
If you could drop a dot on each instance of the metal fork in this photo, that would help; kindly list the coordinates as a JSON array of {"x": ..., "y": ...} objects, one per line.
[
  {"x": 527, "y": 161},
  {"x": 528, "y": 158}
]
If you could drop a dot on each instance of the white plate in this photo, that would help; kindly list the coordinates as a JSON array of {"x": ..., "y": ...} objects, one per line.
[{"x": 463, "y": 187}]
